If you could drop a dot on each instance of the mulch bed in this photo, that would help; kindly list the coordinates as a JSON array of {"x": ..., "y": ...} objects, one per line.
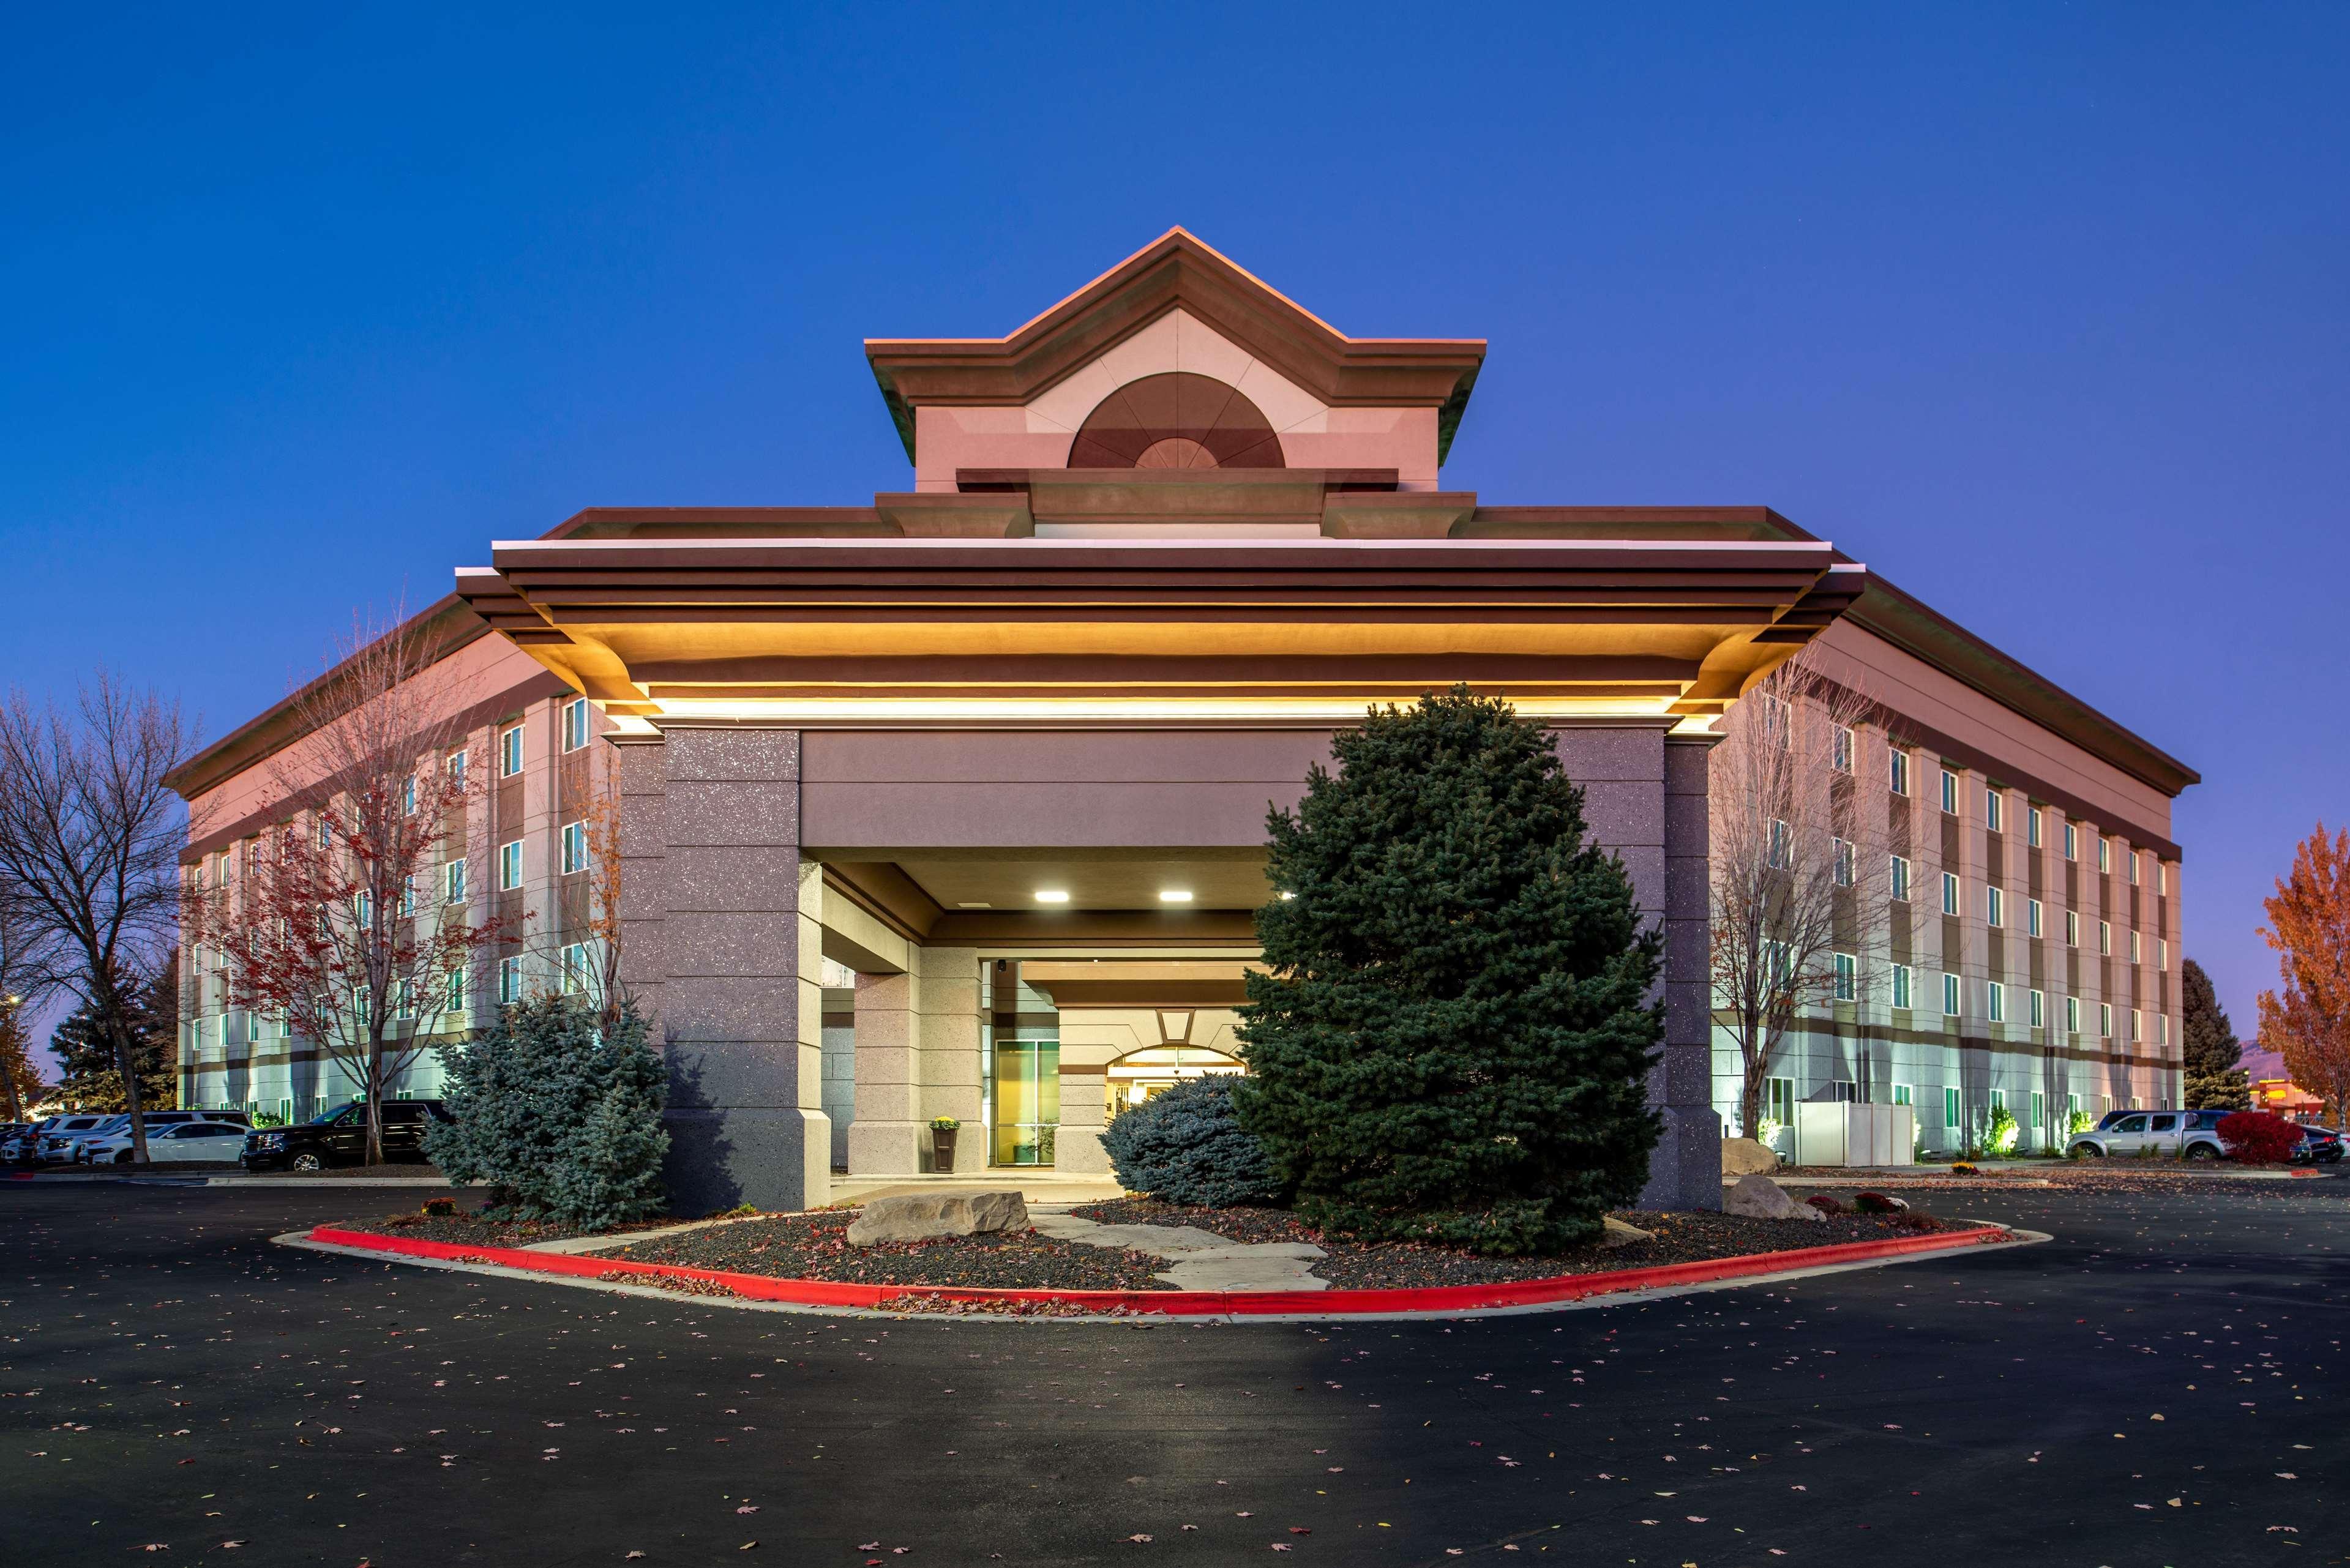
[
  {"x": 816, "y": 1247},
  {"x": 466, "y": 1228},
  {"x": 1676, "y": 1238}
]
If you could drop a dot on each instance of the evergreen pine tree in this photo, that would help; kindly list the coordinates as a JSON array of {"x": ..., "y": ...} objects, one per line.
[
  {"x": 2208, "y": 1047},
  {"x": 1452, "y": 1042},
  {"x": 561, "y": 1118},
  {"x": 91, "y": 1080}
]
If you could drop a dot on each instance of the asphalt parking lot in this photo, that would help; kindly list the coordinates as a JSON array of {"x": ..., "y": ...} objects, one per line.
[{"x": 2162, "y": 1384}]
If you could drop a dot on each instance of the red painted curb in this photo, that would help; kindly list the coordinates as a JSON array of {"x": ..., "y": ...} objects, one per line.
[{"x": 1194, "y": 1304}]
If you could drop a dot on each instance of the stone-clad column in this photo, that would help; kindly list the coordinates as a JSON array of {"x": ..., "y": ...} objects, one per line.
[
  {"x": 1686, "y": 1170},
  {"x": 1644, "y": 797},
  {"x": 917, "y": 1057},
  {"x": 742, "y": 1030}
]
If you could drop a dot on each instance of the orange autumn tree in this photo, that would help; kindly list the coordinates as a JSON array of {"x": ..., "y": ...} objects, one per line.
[{"x": 2307, "y": 1019}]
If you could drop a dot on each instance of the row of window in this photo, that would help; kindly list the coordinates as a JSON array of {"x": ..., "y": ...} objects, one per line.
[
  {"x": 1995, "y": 1007},
  {"x": 576, "y": 970},
  {"x": 1780, "y": 1103},
  {"x": 1995, "y": 909}
]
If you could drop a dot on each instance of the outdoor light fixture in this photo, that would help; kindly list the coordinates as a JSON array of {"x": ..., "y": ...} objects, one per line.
[
  {"x": 1174, "y": 895},
  {"x": 1051, "y": 895},
  {"x": 971, "y": 906}
]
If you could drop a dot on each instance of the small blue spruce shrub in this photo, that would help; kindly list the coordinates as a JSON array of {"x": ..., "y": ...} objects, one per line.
[
  {"x": 1185, "y": 1145},
  {"x": 563, "y": 1121}
]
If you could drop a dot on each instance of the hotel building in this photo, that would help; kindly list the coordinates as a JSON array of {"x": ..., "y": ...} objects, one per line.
[{"x": 954, "y": 804}]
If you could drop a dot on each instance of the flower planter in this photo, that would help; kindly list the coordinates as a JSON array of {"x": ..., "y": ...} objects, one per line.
[{"x": 942, "y": 1142}]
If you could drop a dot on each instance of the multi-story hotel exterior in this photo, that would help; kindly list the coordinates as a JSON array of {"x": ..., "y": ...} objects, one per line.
[{"x": 954, "y": 804}]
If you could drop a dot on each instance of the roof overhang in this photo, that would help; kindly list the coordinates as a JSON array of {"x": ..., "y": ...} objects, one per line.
[
  {"x": 947, "y": 631},
  {"x": 1177, "y": 270}
]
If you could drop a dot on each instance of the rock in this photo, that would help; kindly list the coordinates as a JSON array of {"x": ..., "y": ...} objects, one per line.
[
  {"x": 1744, "y": 1157},
  {"x": 1619, "y": 1234},
  {"x": 922, "y": 1217},
  {"x": 1758, "y": 1196}
]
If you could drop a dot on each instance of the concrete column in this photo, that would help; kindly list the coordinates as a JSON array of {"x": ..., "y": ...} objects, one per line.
[
  {"x": 882, "y": 1138},
  {"x": 742, "y": 1030},
  {"x": 946, "y": 1064}
]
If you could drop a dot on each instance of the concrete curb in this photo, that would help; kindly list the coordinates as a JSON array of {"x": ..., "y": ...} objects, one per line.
[{"x": 1562, "y": 1292}]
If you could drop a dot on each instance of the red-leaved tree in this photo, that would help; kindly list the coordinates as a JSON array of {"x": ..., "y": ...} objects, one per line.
[
  {"x": 343, "y": 923},
  {"x": 2307, "y": 1018}
]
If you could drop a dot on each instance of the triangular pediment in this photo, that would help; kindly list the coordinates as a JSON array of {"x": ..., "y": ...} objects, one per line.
[{"x": 1177, "y": 272}]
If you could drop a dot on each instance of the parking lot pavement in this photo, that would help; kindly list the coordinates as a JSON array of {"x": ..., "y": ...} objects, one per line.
[{"x": 2162, "y": 1384}]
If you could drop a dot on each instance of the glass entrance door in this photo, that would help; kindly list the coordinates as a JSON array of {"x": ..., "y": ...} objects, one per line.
[{"x": 1027, "y": 1101}]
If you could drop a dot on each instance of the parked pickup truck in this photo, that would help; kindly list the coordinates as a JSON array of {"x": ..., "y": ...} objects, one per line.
[{"x": 2183, "y": 1135}]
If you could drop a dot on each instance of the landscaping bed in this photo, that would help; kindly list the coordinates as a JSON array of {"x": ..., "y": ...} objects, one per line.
[
  {"x": 1675, "y": 1237},
  {"x": 466, "y": 1227},
  {"x": 816, "y": 1247}
]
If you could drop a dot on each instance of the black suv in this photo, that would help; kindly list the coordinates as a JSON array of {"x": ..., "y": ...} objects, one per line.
[{"x": 340, "y": 1137}]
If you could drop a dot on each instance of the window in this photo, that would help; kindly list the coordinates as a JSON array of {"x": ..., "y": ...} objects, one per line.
[
  {"x": 1901, "y": 878},
  {"x": 1950, "y": 893},
  {"x": 1843, "y": 863},
  {"x": 362, "y": 910},
  {"x": 1843, "y": 761},
  {"x": 2133, "y": 867},
  {"x": 2161, "y": 878},
  {"x": 2162, "y": 952},
  {"x": 407, "y": 896},
  {"x": 2106, "y": 938},
  {"x": 2039, "y": 1109},
  {"x": 1995, "y": 906},
  {"x": 1775, "y": 720},
  {"x": 1998, "y": 1099},
  {"x": 456, "y": 991},
  {"x": 2136, "y": 949},
  {"x": 2135, "y": 1033},
  {"x": 325, "y": 833},
  {"x": 1779, "y": 844},
  {"x": 456, "y": 770},
  {"x": 1949, "y": 996},
  {"x": 2071, "y": 1015},
  {"x": 1901, "y": 1093},
  {"x": 452, "y": 882},
  {"x": 2039, "y": 1010},
  {"x": 1949, "y": 792},
  {"x": 574, "y": 969},
  {"x": 575, "y": 848},
  {"x": 510, "y": 752},
  {"x": 575, "y": 723},
  {"x": 408, "y": 795},
  {"x": 2105, "y": 1020},
  {"x": 2071, "y": 844},
  {"x": 2104, "y": 853},
  {"x": 2071, "y": 1108},
  {"x": 1994, "y": 816},
  {"x": 1897, "y": 770},
  {"x": 1997, "y": 995},
  {"x": 2072, "y": 928},
  {"x": 509, "y": 980},
  {"x": 2162, "y": 1029},
  {"x": 1775, "y": 965},
  {"x": 2031, "y": 825},
  {"x": 402, "y": 1002},
  {"x": 510, "y": 864},
  {"x": 1950, "y": 1108},
  {"x": 1782, "y": 1101},
  {"x": 1845, "y": 975},
  {"x": 1901, "y": 975},
  {"x": 2032, "y": 917}
]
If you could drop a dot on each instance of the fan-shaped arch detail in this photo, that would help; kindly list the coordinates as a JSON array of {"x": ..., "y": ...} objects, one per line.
[{"x": 1176, "y": 419}]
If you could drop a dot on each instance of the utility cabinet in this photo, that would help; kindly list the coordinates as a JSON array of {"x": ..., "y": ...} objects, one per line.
[{"x": 1841, "y": 1132}]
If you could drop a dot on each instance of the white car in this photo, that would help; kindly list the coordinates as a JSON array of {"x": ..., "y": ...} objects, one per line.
[
  {"x": 59, "y": 1141},
  {"x": 220, "y": 1141},
  {"x": 119, "y": 1125}
]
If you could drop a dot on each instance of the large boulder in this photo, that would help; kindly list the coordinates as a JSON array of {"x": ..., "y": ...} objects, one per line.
[
  {"x": 1744, "y": 1157},
  {"x": 1759, "y": 1198},
  {"x": 926, "y": 1215}
]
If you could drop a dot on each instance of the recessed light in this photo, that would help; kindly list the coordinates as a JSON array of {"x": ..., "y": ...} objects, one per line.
[
  {"x": 1051, "y": 895},
  {"x": 974, "y": 906},
  {"x": 1286, "y": 897},
  {"x": 1174, "y": 895}
]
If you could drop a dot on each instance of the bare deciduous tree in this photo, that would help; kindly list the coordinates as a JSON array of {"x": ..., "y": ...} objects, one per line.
[
  {"x": 89, "y": 843},
  {"x": 1799, "y": 864},
  {"x": 340, "y": 921}
]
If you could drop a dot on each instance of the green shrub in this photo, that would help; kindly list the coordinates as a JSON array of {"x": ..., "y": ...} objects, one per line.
[
  {"x": 1451, "y": 1039},
  {"x": 1185, "y": 1145},
  {"x": 562, "y": 1121}
]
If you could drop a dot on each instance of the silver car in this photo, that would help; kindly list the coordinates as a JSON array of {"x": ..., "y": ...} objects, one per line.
[
  {"x": 58, "y": 1139},
  {"x": 2174, "y": 1135}
]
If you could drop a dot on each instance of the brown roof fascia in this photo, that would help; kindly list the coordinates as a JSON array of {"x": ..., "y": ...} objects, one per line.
[
  {"x": 722, "y": 522},
  {"x": 450, "y": 618},
  {"x": 1176, "y": 269}
]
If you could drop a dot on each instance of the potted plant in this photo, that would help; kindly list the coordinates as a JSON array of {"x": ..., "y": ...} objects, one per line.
[{"x": 942, "y": 1141}]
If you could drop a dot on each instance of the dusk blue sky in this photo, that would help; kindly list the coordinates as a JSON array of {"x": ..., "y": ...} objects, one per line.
[{"x": 2043, "y": 311}]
